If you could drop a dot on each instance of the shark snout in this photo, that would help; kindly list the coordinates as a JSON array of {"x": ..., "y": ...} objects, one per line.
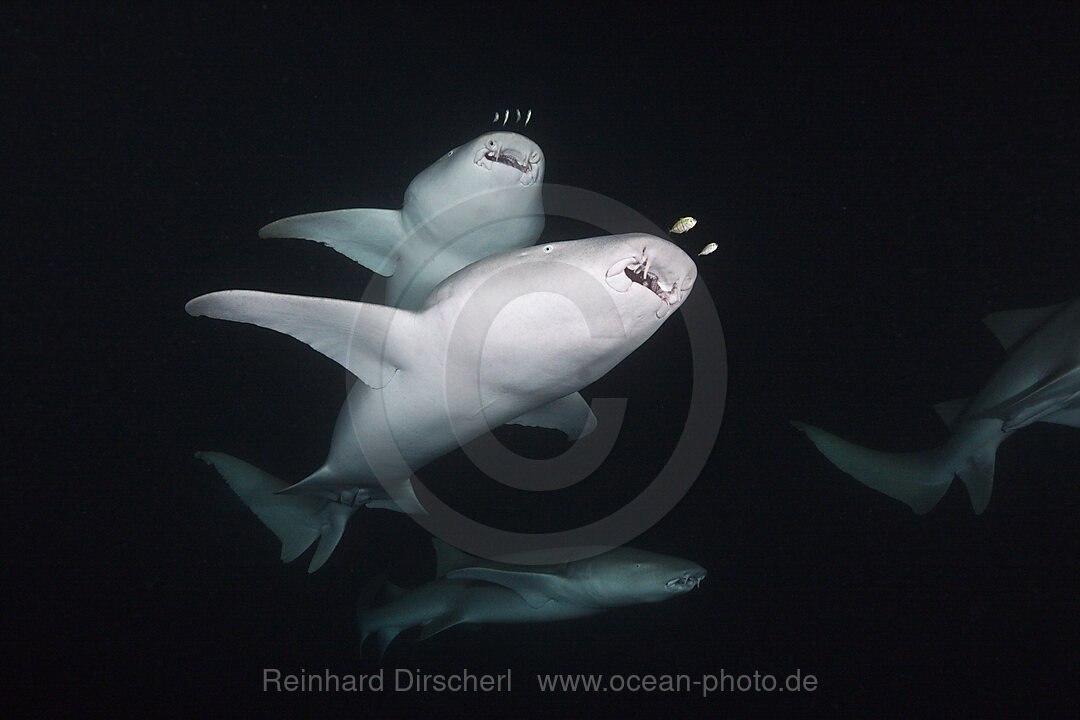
[
  {"x": 687, "y": 580},
  {"x": 657, "y": 265},
  {"x": 513, "y": 151}
]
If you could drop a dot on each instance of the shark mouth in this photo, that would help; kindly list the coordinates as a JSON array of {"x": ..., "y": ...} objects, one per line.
[
  {"x": 689, "y": 581},
  {"x": 640, "y": 270},
  {"x": 528, "y": 164}
]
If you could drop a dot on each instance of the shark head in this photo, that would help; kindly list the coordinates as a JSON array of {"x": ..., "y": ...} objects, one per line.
[
  {"x": 506, "y": 157},
  {"x": 647, "y": 274},
  {"x": 627, "y": 576},
  {"x": 550, "y": 319},
  {"x": 479, "y": 199},
  {"x": 491, "y": 163}
]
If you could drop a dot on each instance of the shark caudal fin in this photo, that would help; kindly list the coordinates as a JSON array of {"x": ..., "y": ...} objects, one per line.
[
  {"x": 297, "y": 520},
  {"x": 918, "y": 479},
  {"x": 371, "y": 237}
]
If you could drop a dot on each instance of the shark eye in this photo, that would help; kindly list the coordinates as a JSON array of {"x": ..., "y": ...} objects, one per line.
[
  {"x": 491, "y": 143},
  {"x": 449, "y": 153},
  {"x": 547, "y": 248}
]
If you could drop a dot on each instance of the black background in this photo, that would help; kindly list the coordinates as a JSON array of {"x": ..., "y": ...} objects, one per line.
[{"x": 878, "y": 178}]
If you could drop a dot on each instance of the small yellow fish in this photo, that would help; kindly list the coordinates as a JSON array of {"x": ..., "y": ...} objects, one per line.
[
  {"x": 708, "y": 249},
  {"x": 683, "y": 224}
]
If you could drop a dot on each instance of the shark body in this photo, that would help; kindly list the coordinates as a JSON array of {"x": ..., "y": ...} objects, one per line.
[
  {"x": 479, "y": 199},
  {"x": 510, "y": 338},
  {"x": 1038, "y": 382},
  {"x": 468, "y": 589}
]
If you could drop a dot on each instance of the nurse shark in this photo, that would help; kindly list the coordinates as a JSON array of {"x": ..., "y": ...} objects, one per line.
[
  {"x": 507, "y": 339},
  {"x": 468, "y": 589},
  {"x": 1039, "y": 382},
  {"x": 479, "y": 199}
]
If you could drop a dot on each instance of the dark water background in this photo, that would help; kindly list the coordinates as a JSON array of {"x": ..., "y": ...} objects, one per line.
[{"x": 878, "y": 178}]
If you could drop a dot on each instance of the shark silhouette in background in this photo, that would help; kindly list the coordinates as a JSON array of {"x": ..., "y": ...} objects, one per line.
[
  {"x": 1039, "y": 382},
  {"x": 469, "y": 589}
]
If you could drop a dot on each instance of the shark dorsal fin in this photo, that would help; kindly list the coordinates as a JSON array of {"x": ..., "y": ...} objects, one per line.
[
  {"x": 570, "y": 414},
  {"x": 537, "y": 589},
  {"x": 370, "y": 236},
  {"x": 951, "y": 411},
  {"x": 1012, "y": 326},
  {"x": 355, "y": 335},
  {"x": 448, "y": 558}
]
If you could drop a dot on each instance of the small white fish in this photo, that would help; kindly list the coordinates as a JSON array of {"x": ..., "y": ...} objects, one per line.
[
  {"x": 708, "y": 249},
  {"x": 519, "y": 115},
  {"x": 496, "y": 117},
  {"x": 683, "y": 224},
  {"x": 506, "y": 116},
  {"x": 528, "y": 116}
]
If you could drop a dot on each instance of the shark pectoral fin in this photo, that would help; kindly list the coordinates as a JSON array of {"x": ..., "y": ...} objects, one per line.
[
  {"x": 1042, "y": 399},
  {"x": 1012, "y": 326},
  {"x": 1069, "y": 417},
  {"x": 977, "y": 473},
  {"x": 371, "y": 237},
  {"x": 370, "y": 595},
  {"x": 355, "y": 335},
  {"x": 293, "y": 518},
  {"x": 570, "y": 414},
  {"x": 951, "y": 411},
  {"x": 383, "y": 638},
  {"x": 442, "y": 622},
  {"x": 536, "y": 589}
]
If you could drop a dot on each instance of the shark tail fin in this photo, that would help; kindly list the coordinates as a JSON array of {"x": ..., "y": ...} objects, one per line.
[
  {"x": 371, "y": 237},
  {"x": 918, "y": 479},
  {"x": 297, "y": 520}
]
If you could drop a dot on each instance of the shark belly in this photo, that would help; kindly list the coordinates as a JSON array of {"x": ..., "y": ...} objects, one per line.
[
  {"x": 383, "y": 436},
  {"x": 493, "y": 605},
  {"x": 431, "y": 257}
]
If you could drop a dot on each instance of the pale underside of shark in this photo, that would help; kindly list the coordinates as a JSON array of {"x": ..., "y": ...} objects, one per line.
[
  {"x": 510, "y": 338},
  {"x": 1038, "y": 382},
  {"x": 468, "y": 589},
  {"x": 479, "y": 199}
]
